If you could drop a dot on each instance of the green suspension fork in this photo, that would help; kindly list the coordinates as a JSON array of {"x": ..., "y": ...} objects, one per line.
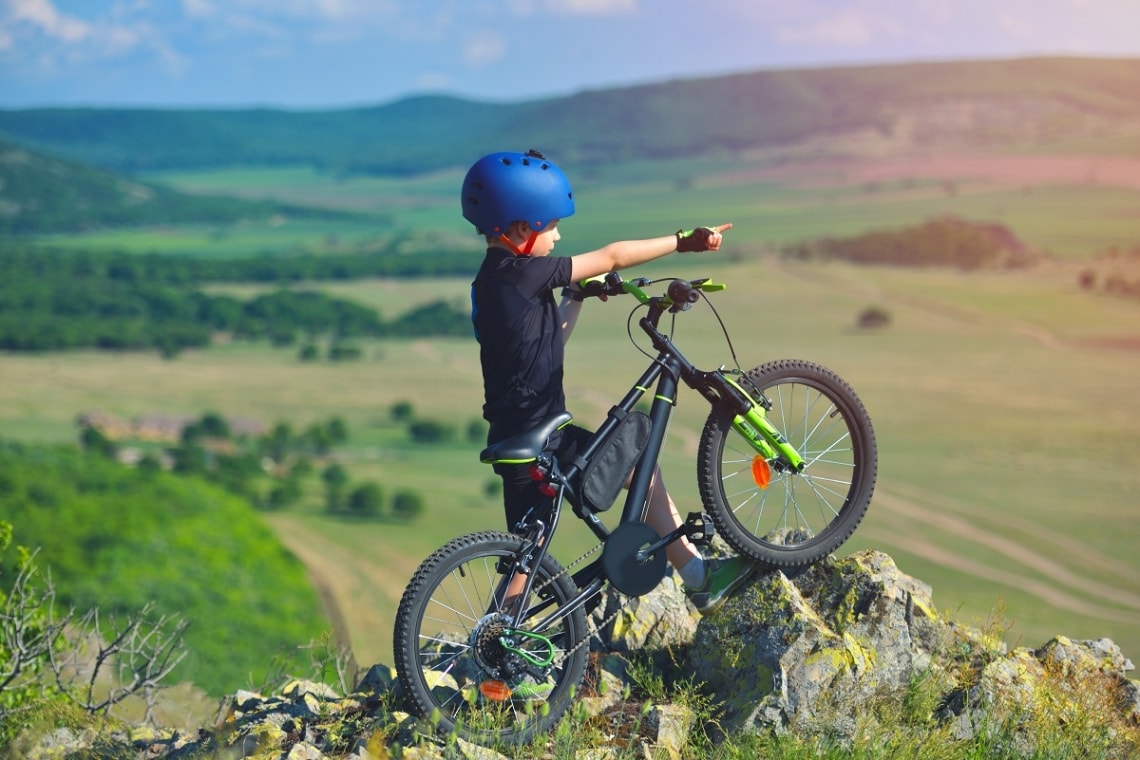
[{"x": 769, "y": 442}]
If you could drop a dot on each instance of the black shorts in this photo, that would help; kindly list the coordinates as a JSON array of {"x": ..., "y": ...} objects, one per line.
[{"x": 520, "y": 493}]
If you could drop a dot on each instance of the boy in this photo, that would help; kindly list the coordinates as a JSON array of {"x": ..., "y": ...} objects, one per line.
[{"x": 516, "y": 201}]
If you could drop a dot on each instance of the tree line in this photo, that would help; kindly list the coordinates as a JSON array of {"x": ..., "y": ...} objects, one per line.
[{"x": 61, "y": 299}]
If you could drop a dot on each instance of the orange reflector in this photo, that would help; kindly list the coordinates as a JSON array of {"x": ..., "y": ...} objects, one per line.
[
  {"x": 761, "y": 472},
  {"x": 496, "y": 691}
]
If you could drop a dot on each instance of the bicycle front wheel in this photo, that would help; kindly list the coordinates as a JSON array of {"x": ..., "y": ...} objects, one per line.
[
  {"x": 769, "y": 511},
  {"x": 464, "y": 666}
]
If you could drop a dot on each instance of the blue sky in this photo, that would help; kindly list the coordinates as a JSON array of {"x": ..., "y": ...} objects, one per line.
[{"x": 333, "y": 53}]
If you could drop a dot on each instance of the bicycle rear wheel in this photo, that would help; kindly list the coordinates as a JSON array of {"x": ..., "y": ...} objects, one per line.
[
  {"x": 768, "y": 511},
  {"x": 462, "y": 665}
]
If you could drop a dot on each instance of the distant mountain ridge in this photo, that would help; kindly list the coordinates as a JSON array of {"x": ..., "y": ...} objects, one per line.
[{"x": 921, "y": 106}]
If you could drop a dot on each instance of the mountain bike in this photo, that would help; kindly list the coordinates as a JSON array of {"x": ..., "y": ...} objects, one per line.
[{"x": 786, "y": 468}]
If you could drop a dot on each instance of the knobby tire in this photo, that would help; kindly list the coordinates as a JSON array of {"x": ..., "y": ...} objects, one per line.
[
  {"x": 445, "y": 647},
  {"x": 799, "y": 518}
]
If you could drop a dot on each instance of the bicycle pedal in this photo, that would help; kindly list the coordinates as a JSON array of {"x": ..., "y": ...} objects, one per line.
[{"x": 699, "y": 528}]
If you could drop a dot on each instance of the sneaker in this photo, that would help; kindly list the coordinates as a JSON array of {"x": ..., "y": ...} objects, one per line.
[
  {"x": 722, "y": 578},
  {"x": 530, "y": 690}
]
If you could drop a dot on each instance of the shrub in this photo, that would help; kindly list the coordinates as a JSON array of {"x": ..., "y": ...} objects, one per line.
[
  {"x": 366, "y": 499},
  {"x": 430, "y": 431},
  {"x": 402, "y": 411},
  {"x": 335, "y": 479},
  {"x": 407, "y": 505},
  {"x": 873, "y": 318}
]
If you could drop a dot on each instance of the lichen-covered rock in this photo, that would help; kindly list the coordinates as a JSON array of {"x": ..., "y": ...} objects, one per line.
[
  {"x": 661, "y": 619},
  {"x": 668, "y": 727},
  {"x": 811, "y": 648},
  {"x": 1035, "y": 696}
]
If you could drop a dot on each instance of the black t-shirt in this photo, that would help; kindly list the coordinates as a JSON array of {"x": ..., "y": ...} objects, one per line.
[{"x": 520, "y": 338}]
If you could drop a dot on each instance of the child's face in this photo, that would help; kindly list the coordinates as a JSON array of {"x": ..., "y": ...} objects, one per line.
[{"x": 544, "y": 243}]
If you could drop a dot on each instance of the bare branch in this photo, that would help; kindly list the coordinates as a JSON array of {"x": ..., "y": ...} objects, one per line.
[
  {"x": 132, "y": 658},
  {"x": 29, "y": 631}
]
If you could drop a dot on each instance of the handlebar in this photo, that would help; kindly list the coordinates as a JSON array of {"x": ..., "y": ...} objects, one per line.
[{"x": 679, "y": 296}]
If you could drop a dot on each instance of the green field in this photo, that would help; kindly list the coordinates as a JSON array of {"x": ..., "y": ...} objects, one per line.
[
  {"x": 1005, "y": 403},
  {"x": 1072, "y": 214}
]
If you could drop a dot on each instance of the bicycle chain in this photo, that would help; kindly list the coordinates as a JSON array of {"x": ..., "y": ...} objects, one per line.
[{"x": 593, "y": 629}]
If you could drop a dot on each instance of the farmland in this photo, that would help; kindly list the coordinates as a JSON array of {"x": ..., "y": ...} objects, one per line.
[{"x": 1004, "y": 402}]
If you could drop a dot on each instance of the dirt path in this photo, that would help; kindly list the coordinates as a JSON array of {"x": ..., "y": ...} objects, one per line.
[
  {"x": 359, "y": 595},
  {"x": 1063, "y": 545},
  {"x": 1046, "y": 579}
]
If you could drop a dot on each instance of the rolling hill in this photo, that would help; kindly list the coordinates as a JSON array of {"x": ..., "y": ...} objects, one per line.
[
  {"x": 922, "y": 106},
  {"x": 40, "y": 193}
]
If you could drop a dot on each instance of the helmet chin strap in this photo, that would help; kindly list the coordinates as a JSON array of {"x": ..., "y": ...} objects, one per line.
[{"x": 527, "y": 247}]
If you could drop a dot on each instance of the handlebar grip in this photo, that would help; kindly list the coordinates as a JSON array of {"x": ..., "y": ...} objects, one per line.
[
  {"x": 592, "y": 287},
  {"x": 609, "y": 284}
]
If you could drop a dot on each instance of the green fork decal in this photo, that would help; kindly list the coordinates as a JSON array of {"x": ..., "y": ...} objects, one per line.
[{"x": 769, "y": 442}]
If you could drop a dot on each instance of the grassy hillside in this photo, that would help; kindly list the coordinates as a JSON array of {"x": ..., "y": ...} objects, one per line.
[
  {"x": 118, "y": 538},
  {"x": 898, "y": 107},
  {"x": 41, "y": 193}
]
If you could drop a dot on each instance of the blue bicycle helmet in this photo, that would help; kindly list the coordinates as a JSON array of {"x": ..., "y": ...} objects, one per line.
[{"x": 501, "y": 188}]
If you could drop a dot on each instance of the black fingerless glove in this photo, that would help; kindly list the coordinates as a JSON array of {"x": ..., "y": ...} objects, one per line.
[{"x": 694, "y": 240}]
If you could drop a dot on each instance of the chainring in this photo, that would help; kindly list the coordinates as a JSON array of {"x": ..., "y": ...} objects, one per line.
[{"x": 626, "y": 572}]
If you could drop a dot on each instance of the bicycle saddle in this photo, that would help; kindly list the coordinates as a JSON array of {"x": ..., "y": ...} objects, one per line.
[{"x": 525, "y": 447}]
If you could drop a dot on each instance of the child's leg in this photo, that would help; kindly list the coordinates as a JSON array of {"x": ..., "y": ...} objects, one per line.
[{"x": 664, "y": 518}]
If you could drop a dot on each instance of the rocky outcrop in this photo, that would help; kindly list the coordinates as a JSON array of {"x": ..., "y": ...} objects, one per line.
[
  {"x": 829, "y": 652},
  {"x": 814, "y": 646},
  {"x": 820, "y": 652}
]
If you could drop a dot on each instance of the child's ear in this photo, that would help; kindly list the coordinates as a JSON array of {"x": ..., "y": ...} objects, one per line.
[{"x": 519, "y": 230}]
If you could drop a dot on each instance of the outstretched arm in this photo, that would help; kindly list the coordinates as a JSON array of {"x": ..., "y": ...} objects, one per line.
[{"x": 629, "y": 253}]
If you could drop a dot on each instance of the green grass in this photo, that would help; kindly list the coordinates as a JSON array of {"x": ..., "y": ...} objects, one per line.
[
  {"x": 307, "y": 187},
  {"x": 248, "y": 238}
]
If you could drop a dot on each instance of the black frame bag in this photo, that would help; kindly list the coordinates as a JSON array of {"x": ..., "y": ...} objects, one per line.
[{"x": 607, "y": 471}]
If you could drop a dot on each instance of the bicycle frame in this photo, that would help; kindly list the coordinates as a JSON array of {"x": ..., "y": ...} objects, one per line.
[{"x": 667, "y": 370}]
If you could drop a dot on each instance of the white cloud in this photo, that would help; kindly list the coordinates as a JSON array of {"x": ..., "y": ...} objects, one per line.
[
  {"x": 484, "y": 48},
  {"x": 39, "y": 39},
  {"x": 44, "y": 17}
]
